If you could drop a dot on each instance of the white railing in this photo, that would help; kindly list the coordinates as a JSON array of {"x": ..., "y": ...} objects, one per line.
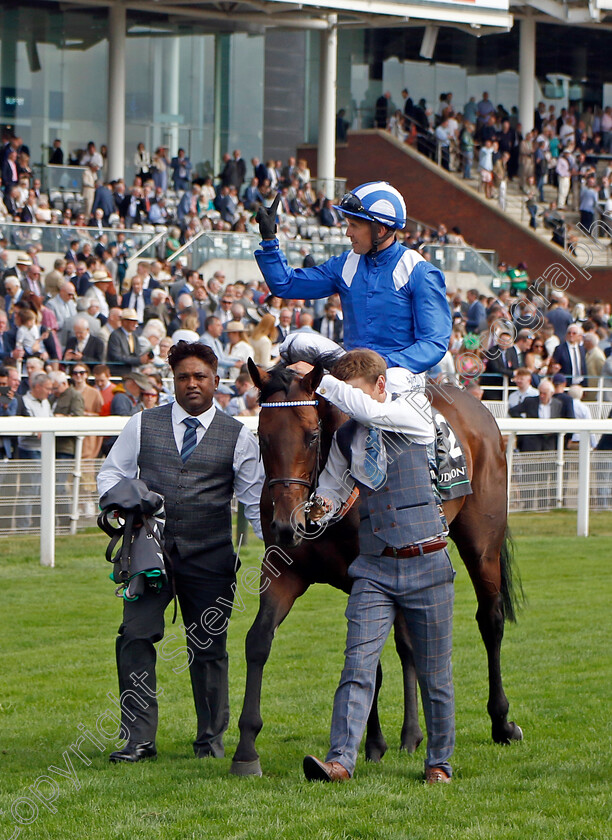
[{"x": 50, "y": 428}]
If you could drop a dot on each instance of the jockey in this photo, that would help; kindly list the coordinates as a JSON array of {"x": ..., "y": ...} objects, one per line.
[{"x": 393, "y": 300}]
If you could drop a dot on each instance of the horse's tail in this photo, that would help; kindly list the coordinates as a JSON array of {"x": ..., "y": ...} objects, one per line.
[{"x": 513, "y": 597}]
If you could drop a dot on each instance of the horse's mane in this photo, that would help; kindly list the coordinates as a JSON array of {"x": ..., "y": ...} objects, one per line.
[{"x": 279, "y": 379}]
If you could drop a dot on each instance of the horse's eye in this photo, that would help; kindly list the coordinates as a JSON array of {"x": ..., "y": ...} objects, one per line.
[{"x": 313, "y": 438}]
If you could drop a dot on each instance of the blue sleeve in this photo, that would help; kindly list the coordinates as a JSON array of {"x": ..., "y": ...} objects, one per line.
[
  {"x": 432, "y": 320},
  {"x": 303, "y": 283}
]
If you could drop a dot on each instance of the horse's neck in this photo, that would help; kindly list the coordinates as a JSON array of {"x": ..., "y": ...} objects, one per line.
[{"x": 331, "y": 420}]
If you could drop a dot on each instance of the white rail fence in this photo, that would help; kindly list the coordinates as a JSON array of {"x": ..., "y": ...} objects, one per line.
[{"x": 57, "y": 496}]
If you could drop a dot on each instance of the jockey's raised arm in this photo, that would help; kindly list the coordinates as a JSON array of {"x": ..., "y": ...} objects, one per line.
[{"x": 393, "y": 300}]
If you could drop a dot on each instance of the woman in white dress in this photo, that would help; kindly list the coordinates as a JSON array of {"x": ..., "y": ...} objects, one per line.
[
  {"x": 262, "y": 338},
  {"x": 238, "y": 347}
]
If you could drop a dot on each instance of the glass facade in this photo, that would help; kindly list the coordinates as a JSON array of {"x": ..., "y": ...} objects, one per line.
[{"x": 55, "y": 85}]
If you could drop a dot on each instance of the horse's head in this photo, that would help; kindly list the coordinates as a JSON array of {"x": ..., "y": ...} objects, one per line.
[{"x": 290, "y": 442}]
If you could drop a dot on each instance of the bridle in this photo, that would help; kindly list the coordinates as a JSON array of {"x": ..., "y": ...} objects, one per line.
[{"x": 310, "y": 483}]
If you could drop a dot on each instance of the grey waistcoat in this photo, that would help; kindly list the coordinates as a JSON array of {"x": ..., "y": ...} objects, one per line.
[
  {"x": 197, "y": 493},
  {"x": 404, "y": 510}
]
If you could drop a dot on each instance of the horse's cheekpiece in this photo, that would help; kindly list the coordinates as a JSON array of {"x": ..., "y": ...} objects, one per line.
[{"x": 314, "y": 502}]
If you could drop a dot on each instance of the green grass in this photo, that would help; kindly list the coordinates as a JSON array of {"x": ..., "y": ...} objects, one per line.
[{"x": 57, "y": 642}]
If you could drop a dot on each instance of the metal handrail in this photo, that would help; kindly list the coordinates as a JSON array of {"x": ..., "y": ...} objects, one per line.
[
  {"x": 187, "y": 244},
  {"x": 146, "y": 247}
]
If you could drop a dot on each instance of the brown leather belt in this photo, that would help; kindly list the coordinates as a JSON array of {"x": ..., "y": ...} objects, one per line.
[{"x": 415, "y": 550}]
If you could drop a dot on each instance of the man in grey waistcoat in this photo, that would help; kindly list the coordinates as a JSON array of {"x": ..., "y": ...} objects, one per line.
[
  {"x": 196, "y": 457},
  {"x": 402, "y": 565}
]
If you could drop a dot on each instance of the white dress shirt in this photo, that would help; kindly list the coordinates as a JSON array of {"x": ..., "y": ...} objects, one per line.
[
  {"x": 409, "y": 415},
  {"x": 122, "y": 460},
  {"x": 544, "y": 411},
  {"x": 574, "y": 351},
  {"x": 517, "y": 397}
]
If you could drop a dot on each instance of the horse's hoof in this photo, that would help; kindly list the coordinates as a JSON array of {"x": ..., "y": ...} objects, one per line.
[
  {"x": 410, "y": 743},
  {"x": 246, "y": 768},
  {"x": 374, "y": 751},
  {"x": 517, "y": 732},
  {"x": 511, "y": 732}
]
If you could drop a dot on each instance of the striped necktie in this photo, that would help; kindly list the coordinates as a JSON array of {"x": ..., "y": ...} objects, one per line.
[
  {"x": 190, "y": 440},
  {"x": 376, "y": 476}
]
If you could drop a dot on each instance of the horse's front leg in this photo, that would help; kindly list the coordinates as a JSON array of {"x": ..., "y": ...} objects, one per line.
[
  {"x": 412, "y": 734},
  {"x": 274, "y": 605}
]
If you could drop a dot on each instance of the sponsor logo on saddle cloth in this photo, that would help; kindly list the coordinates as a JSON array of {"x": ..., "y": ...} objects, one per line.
[{"x": 452, "y": 474}]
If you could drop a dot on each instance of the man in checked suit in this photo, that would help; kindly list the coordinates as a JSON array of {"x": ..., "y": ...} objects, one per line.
[
  {"x": 196, "y": 457},
  {"x": 402, "y": 565}
]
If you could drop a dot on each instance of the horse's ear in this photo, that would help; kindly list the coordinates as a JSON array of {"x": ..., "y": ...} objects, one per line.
[
  {"x": 311, "y": 381},
  {"x": 256, "y": 375}
]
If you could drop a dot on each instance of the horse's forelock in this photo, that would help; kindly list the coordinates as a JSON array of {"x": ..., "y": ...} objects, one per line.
[{"x": 279, "y": 379}]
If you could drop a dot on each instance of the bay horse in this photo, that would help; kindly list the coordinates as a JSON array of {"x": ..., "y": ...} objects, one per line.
[{"x": 295, "y": 431}]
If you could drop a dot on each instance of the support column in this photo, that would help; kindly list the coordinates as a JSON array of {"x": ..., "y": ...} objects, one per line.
[
  {"x": 116, "y": 91},
  {"x": 326, "y": 167},
  {"x": 170, "y": 93},
  {"x": 222, "y": 103},
  {"x": 527, "y": 43}
]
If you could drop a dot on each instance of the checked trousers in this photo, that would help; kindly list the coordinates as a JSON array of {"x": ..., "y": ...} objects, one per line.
[{"x": 422, "y": 587}]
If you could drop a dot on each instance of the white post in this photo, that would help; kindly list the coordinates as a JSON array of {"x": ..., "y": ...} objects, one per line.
[
  {"x": 76, "y": 483},
  {"x": 116, "y": 91},
  {"x": 584, "y": 484},
  {"x": 560, "y": 463},
  {"x": 170, "y": 91},
  {"x": 47, "y": 499},
  {"x": 527, "y": 42},
  {"x": 509, "y": 456},
  {"x": 327, "y": 107}
]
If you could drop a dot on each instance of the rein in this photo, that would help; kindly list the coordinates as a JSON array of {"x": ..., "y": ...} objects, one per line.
[{"x": 312, "y": 482}]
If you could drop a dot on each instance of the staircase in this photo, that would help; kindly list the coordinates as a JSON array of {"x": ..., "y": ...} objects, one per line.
[{"x": 515, "y": 208}]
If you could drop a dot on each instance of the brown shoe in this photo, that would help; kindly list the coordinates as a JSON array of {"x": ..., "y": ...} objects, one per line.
[
  {"x": 433, "y": 775},
  {"x": 324, "y": 771}
]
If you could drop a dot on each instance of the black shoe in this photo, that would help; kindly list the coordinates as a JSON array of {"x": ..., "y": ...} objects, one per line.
[{"x": 133, "y": 752}]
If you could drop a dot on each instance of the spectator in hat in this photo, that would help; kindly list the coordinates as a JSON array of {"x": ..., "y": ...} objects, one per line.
[
  {"x": 559, "y": 383},
  {"x": 223, "y": 395},
  {"x": 127, "y": 399},
  {"x": 122, "y": 352}
]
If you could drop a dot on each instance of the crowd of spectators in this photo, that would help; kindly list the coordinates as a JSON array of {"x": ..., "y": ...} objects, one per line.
[
  {"x": 165, "y": 191},
  {"x": 539, "y": 359},
  {"x": 487, "y": 143},
  {"x": 109, "y": 339},
  {"x": 107, "y": 343}
]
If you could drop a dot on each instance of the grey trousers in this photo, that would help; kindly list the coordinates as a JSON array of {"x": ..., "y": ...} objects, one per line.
[
  {"x": 143, "y": 626},
  {"x": 422, "y": 587}
]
